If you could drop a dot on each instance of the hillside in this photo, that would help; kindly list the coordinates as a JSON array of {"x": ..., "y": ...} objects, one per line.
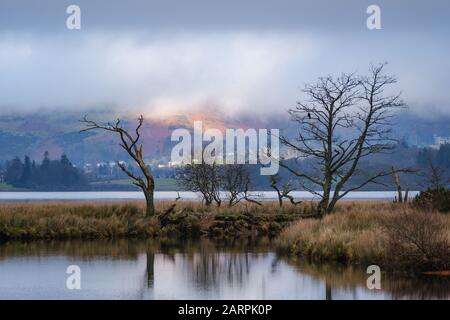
[
  {"x": 58, "y": 133},
  {"x": 33, "y": 134}
]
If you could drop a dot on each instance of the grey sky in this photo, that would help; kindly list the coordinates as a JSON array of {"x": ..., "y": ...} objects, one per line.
[{"x": 239, "y": 56}]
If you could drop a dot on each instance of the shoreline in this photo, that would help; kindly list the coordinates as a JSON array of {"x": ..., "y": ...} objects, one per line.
[
  {"x": 109, "y": 220},
  {"x": 359, "y": 232},
  {"x": 117, "y": 196},
  {"x": 396, "y": 237}
]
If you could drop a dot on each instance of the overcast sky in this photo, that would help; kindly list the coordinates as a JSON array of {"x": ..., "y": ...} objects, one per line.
[{"x": 245, "y": 56}]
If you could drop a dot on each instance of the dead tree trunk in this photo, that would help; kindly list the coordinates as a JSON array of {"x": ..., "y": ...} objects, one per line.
[
  {"x": 273, "y": 184},
  {"x": 150, "y": 202},
  {"x": 131, "y": 144},
  {"x": 284, "y": 192},
  {"x": 399, "y": 187},
  {"x": 400, "y": 198}
]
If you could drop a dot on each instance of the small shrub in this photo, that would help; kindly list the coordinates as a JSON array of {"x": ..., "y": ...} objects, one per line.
[
  {"x": 433, "y": 199},
  {"x": 417, "y": 241}
]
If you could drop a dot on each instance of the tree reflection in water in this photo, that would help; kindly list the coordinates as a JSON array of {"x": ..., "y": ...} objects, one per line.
[
  {"x": 149, "y": 269},
  {"x": 351, "y": 279}
]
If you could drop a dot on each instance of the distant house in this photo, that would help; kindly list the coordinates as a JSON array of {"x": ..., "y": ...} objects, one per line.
[
  {"x": 438, "y": 141},
  {"x": 87, "y": 168}
]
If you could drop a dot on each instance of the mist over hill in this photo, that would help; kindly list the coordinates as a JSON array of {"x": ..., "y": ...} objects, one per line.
[{"x": 33, "y": 134}]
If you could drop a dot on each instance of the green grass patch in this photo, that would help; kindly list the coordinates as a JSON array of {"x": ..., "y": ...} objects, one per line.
[{"x": 162, "y": 184}]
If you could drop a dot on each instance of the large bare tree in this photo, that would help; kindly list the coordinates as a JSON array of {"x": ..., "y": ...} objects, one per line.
[
  {"x": 131, "y": 143},
  {"x": 342, "y": 121}
]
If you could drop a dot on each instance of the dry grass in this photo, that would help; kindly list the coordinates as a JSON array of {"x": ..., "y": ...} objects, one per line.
[
  {"x": 418, "y": 241},
  {"x": 382, "y": 233},
  {"x": 73, "y": 220},
  {"x": 70, "y": 220},
  {"x": 386, "y": 234}
]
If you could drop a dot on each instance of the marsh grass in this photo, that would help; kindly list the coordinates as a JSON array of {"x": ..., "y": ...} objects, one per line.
[
  {"x": 394, "y": 236},
  {"x": 391, "y": 235},
  {"x": 61, "y": 220},
  {"x": 84, "y": 220}
]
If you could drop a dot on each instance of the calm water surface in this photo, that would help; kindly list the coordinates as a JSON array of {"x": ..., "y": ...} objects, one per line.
[
  {"x": 190, "y": 270},
  {"x": 170, "y": 195}
]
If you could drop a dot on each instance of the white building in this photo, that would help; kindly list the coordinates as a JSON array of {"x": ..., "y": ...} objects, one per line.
[{"x": 438, "y": 141}]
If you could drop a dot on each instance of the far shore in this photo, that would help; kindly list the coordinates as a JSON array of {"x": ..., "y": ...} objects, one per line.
[{"x": 20, "y": 196}]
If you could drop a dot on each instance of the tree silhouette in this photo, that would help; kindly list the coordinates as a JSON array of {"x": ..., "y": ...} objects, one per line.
[
  {"x": 132, "y": 145},
  {"x": 343, "y": 120}
]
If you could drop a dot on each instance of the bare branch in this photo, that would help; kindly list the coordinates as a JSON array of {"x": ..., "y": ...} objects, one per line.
[
  {"x": 135, "y": 150},
  {"x": 349, "y": 106}
]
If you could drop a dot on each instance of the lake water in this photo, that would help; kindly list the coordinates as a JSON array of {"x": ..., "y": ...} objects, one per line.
[
  {"x": 170, "y": 195},
  {"x": 125, "y": 269}
]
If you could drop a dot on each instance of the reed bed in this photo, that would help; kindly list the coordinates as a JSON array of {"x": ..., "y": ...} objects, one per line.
[
  {"x": 105, "y": 220},
  {"x": 61, "y": 220},
  {"x": 394, "y": 236}
]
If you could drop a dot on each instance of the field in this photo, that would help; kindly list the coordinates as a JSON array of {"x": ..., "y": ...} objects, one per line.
[
  {"x": 162, "y": 184},
  {"x": 7, "y": 187}
]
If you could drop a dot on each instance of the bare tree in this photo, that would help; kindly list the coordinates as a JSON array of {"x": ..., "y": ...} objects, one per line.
[
  {"x": 202, "y": 178},
  {"x": 436, "y": 176},
  {"x": 342, "y": 121},
  {"x": 131, "y": 144},
  {"x": 283, "y": 191},
  {"x": 210, "y": 179},
  {"x": 235, "y": 181}
]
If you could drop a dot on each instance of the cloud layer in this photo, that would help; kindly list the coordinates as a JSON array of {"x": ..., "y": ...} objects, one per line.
[{"x": 240, "y": 65}]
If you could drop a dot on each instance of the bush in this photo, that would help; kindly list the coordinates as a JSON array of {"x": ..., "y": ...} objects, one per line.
[
  {"x": 433, "y": 199},
  {"x": 417, "y": 242},
  {"x": 182, "y": 224}
]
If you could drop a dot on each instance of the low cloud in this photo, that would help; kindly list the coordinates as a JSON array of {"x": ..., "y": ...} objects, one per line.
[
  {"x": 236, "y": 72},
  {"x": 231, "y": 71}
]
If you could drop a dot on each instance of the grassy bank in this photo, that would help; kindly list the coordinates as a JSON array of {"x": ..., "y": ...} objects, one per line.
[
  {"x": 78, "y": 220},
  {"x": 393, "y": 236},
  {"x": 162, "y": 184},
  {"x": 7, "y": 187}
]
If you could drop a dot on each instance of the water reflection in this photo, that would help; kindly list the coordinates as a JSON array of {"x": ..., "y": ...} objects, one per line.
[
  {"x": 187, "y": 270},
  {"x": 347, "y": 282}
]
